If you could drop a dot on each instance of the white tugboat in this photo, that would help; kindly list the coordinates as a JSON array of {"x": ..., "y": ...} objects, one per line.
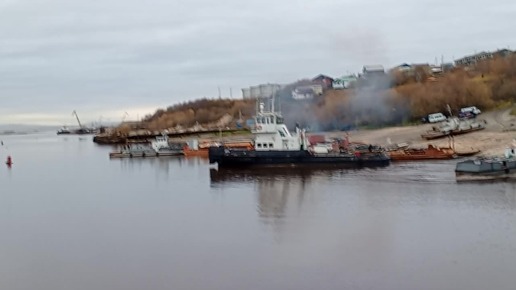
[{"x": 275, "y": 145}]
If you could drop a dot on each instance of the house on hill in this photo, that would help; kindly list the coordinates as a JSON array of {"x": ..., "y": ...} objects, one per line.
[
  {"x": 373, "y": 70},
  {"x": 344, "y": 82},
  {"x": 482, "y": 56},
  {"x": 404, "y": 67},
  {"x": 307, "y": 92},
  {"x": 473, "y": 59},
  {"x": 409, "y": 69},
  {"x": 325, "y": 81},
  {"x": 503, "y": 52},
  {"x": 374, "y": 76}
]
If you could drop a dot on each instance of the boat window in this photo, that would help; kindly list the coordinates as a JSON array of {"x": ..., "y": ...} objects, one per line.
[
  {"x": 259, "y": 145},
  {"x": 270, "y": 145},
  {"x": 279, "y": 120},
  {"x": 281, "y": 133},
  {"x": 264, "y": 145}
]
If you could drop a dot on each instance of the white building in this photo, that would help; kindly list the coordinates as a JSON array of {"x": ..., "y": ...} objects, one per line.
[{"x": 246, "y": 93}]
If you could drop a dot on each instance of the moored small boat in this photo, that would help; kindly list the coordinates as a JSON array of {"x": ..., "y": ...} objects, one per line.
[
  {"x": 158, "y": 147},
  {"x": 133, "y": 150},
  {"x": 493, "y": 168},
  {"x": 453, "y": 126},
  {"x": 63, "y": 131}
]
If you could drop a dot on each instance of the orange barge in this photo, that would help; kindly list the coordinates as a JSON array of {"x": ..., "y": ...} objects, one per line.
[{"x": 429, "y": 153}]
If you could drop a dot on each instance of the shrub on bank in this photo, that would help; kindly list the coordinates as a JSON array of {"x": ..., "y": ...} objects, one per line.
[{"x": 484, "y": 86}]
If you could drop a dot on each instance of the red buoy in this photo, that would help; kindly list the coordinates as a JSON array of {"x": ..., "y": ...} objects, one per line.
[{"x": 9, "y": 161}]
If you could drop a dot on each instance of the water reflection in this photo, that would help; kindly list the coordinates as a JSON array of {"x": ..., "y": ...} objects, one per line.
[
  {"x": 239, "y": 175},
  {"x": 401, "y": 186},
  {"x": 278, "y": 190},
  {"x": 161, "y": 164}
]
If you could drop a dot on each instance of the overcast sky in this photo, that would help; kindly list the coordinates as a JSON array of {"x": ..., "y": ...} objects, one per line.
[{"x": 104, "y": 58}]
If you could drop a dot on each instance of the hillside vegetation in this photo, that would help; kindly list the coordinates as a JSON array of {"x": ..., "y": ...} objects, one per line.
[{"x": 402, "y": 100}]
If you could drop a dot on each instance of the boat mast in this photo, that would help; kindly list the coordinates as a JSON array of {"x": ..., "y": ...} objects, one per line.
[{"x": 272, "y": 105}]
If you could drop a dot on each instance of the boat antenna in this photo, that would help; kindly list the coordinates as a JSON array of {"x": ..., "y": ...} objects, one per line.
[
  {"x": 279, "y": 105},
  {"x": 272, "y": 106}
]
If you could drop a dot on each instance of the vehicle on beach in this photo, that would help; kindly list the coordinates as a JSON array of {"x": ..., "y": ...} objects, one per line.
[
  {"x": 469, "y": 112},
  {"x": 467, "y": 115},
  {"x": 474, "y": 110},
  {"x": 434, "y": 118}
]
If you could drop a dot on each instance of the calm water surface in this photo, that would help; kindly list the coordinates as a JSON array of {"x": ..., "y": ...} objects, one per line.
[{"x": 70, "y": 218}]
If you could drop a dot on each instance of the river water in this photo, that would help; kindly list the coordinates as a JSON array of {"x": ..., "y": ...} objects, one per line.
[{"x": 71, "y": 218}]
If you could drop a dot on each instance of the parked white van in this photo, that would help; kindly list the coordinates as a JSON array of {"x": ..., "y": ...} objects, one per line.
[
  {"x": 471, "y": 109},
  {"x": 436, "y": 117}
]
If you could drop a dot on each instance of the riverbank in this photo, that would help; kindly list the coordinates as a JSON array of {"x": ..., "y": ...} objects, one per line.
[{"x": 499, "y": 133}]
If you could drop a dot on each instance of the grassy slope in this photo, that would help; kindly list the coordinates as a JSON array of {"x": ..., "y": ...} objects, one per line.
[{"x": 487, "y": 85}]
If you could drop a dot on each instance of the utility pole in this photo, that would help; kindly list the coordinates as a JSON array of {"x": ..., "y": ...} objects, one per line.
[{"x": 219, "y": 93}]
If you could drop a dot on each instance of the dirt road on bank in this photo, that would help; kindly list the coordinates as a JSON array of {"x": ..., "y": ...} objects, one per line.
[{"x": 499, "y": 133}]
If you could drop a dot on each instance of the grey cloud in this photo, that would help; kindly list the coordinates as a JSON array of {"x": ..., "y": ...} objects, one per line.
[{"x": 113, "y": 54}]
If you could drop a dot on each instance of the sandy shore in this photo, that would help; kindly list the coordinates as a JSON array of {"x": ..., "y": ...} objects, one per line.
[{"x": 499, "y": 134}]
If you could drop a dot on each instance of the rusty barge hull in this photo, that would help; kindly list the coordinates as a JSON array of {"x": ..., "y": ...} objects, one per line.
[{"x": 430, "y": 153}]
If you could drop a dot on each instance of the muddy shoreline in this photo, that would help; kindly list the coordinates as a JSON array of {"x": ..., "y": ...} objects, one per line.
[{"x": 499, "y": 133}]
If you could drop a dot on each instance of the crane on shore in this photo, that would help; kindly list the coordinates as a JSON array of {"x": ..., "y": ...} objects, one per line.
[
  {"x": 82, "y": 130},
  {"x": 74, "y": 113}
]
